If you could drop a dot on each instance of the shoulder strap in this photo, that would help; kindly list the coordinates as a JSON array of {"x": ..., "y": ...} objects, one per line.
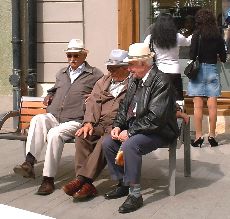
[{"x": 198, "y": 50}]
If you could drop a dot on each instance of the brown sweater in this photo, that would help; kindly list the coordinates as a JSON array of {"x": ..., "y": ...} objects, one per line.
[{"x": 101, "y": 107}]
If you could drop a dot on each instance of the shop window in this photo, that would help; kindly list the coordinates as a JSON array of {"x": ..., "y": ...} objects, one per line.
[
  {"x": 224, "y": 22},
  {"x": 183, "y": 12}
]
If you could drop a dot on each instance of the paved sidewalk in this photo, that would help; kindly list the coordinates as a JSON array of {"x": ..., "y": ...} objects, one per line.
[{"x": 205, "y": 195}]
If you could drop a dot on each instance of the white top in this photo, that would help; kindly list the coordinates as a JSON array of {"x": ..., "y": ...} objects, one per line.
[
  {"x": 143, "y": 80},
  {"x": 116, "y": 88},
  {"x": 167, "y": 60}
]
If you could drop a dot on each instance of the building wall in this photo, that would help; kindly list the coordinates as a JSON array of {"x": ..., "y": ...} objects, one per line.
[
  {"x": 5, "y": 47},
  {"x": 101, "y": 30},
  {"x": 60, "y": 21},
  {"x": 57, "y": 23}
]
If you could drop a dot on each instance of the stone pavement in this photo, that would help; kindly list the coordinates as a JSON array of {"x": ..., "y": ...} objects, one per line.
[{"x": 205, "y": 194}]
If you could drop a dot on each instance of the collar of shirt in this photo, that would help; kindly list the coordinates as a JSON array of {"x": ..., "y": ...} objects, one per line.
[
  {"x": 74, "y": 74},
  {"x": 116, "y": 88},
  {"x": 120, "y": 82},
  {"x": 80, "y": 69},
  {"x": 146, "y": 76}
]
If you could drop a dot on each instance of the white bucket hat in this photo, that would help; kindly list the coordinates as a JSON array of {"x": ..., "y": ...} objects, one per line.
[
  {"x": 116, "y": 57},
  {"x": 75, "y": 45},
  {"x": 138, "y": 51}
]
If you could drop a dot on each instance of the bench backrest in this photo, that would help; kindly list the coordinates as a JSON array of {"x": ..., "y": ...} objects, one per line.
[
  {"x": 223, "y": 104},
  {"x": 29, "y": 107}
]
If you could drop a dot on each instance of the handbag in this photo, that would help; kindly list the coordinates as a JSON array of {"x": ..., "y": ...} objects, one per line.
[{"x": 192, "y": 69}]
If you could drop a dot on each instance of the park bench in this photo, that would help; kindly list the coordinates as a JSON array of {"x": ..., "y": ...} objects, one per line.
[{"x": 31, "y": 106}]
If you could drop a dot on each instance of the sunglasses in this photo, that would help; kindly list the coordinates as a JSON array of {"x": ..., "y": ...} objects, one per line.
[{"x": 73, "y": 55}]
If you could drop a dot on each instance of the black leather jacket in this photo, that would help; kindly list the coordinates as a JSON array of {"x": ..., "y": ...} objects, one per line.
[{"x": 156, "y": 109}]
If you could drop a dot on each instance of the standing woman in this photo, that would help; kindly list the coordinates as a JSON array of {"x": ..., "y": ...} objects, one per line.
[
  {"x": 207, "y": 83},
  {"x": 165, "y": 42}
]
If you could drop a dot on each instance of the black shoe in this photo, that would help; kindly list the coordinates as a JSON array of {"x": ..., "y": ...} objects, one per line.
[
  {"x": 26, "y": 170},
  {"x": 131, "y": 204},
  {"x": 198, "y": 142},
  {"x": 212, "y": 141},
  {"x": 47, "y": 186},
  {"x": 118, "y": 192}
]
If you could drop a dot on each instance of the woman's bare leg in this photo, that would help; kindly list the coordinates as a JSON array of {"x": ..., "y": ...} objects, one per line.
[
  {"x": 212, "y": 110},
  {"x": 198, "y": 115}
]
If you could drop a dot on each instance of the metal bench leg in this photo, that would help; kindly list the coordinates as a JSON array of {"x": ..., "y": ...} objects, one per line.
[
  {"x": 24, "y": 148},
  {"x": 172, "y": 168},
  {"x": 187, "y": 154}
]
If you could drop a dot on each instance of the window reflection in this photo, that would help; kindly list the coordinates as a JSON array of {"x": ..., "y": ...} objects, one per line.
[
  {"x": 224, "y": 22},
  {"x": 183, "y": 12}
]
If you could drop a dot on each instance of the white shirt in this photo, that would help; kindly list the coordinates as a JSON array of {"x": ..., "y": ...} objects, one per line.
[
  {"x": 115, "y": 88},
  {"x": 167, "y": 60},
  {"x": 143, "y": 80},
  {"x": 74, "y": 74}
]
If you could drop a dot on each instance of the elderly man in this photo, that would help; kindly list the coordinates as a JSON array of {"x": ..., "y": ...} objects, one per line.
[
  {"x": 146, "y": 120},
  {"x": 101, "y": 109},
  {"x": 64, "y": 115}
]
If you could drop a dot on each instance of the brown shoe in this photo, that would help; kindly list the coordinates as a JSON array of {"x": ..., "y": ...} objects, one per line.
[
  {"x": 86, "y": 191},
  {"x": 72, "y": 187},
  {"x": 26, "y": 170},
  {"x": 47, "y": 186}
]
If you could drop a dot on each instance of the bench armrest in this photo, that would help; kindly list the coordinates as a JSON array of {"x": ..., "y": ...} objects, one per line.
[{"x": 7, "y": 115}]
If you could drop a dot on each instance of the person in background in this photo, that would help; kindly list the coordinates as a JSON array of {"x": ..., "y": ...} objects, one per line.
[
  {"x": 65, "y": 113},
  {"x": 189, "y": 26},
  {"x": 101, "y": 109},
  {"x": 207, "y": 83},
  {"x": 146, "y": 120},
  {"x": 165, "y": 42}
]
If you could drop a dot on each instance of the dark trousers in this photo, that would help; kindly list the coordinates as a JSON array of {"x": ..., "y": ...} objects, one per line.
[{"x": 133, "y": 149}]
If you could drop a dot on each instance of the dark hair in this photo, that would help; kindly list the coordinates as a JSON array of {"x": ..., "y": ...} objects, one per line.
[
  {"x": 206, "y": 24},
  {"x": 164, "y": 32}
]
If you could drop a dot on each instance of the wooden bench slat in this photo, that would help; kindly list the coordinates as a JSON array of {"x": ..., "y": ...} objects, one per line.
[
  {"x": 25, "y": 118},
  {"x": 33, "y": 104},
  {"x": 223, "y": 104},
  {"x": 31, "y": 111}
]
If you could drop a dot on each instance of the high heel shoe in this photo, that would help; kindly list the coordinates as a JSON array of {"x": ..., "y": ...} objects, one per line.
[
  {"x": 198, "y": 142},
  {"x": 212, "y": 141}
]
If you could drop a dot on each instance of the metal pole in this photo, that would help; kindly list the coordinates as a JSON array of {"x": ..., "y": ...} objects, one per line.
[
  {"x": 15, "y": 78},
  {"x": 32, "y": 48}
]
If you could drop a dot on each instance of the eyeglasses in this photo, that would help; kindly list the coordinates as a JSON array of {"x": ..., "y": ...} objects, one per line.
[{"x": 73, "y": 55}]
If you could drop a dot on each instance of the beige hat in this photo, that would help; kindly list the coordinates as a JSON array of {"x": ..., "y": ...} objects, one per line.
[
  {"x": 75, "y": 45},
  {"x": 138, "y": 51}
]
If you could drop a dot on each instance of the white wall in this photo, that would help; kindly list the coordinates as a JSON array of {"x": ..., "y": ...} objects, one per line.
[
  {"x": 96, "y": 24},
  {"x": 101, "y": 30}
]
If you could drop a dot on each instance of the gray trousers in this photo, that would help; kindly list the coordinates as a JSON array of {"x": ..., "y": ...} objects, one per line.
[{"x": 133, "y": 149}]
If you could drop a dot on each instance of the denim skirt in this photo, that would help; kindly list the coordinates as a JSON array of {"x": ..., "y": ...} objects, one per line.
[{"x": 207, "y": 82}]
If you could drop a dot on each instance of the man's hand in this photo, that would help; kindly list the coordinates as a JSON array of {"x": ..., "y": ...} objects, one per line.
[
  {"x": 87, "y": 129},
  {"x": 47, "y": 100},
  {"x": 115, "y": 133},
  {"x": 123, "y": 136}
]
